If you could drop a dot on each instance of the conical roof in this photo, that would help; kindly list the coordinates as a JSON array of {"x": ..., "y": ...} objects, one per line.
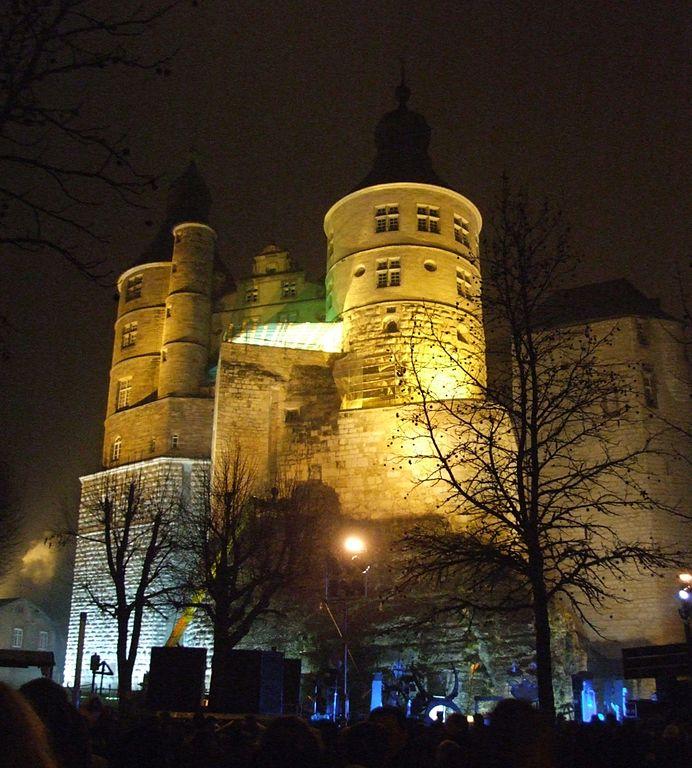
[
  {"x": 188, "y": 199},
  {"x": 402, "y": 138}
]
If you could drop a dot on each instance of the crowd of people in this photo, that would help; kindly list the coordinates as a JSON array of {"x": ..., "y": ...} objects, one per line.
[{"x": 40, "y": 728}]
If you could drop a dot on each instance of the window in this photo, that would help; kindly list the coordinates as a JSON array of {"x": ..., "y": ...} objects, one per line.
[
  {"x": 17, "y": 637},
  {"x": 464, "y": 284},
  {"x": 133, "y": 289},
  {"x": 391, "y": 327},
  {"x": 42, "y": 640},
  {"x": 462, "y": 231},
  {"x": 175, "y": 441},
  {"x": 650, "y": 393},
  {"x": 123, "y": 395},
  {"x": 292, "y": 415},
  {"x": 129, "y": 338},
  {"x": 168, "y": 310},
  {"x": 430, "y": 266},
  {"x": 164, "y": 355},
  {"x": 360, "y": 271},
  {"x": 288, "y": 288},
  {"x": 428, "y": 218},
  {"x": 462, "y": 335},
  {"x": 152, "y": 445},
  {"x": 388, "y": 273},
  {"x": 116, "y": 448},
  {"x": 642, "y": 335},
  {"x": 252, "y": 295},
  {"x": 387, "y": 218}
]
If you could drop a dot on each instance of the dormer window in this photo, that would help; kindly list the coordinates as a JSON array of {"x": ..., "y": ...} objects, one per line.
[
  {"x": 462, "y": 230},
  {"x": 387, "y": 218},
  {"x": 133, "y": 289},
  {"x": 428, "y": 218}
]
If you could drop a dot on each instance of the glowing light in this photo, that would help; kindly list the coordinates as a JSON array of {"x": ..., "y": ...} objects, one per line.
[
  {"x": 354, "y": 544},
  {"x": 323, "y": 337},
  {"x": 469, "y": 719},
  {"x": 684, "y": 594},
  {"x": 685, "y": 578}
]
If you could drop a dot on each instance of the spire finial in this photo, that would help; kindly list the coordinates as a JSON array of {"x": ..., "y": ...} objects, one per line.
[{"x": 402, "y": 91}]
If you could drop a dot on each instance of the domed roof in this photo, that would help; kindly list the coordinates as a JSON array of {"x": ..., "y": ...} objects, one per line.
[
  {"x": 188, "y": 199},
  {"x": 402, "y": 138}
]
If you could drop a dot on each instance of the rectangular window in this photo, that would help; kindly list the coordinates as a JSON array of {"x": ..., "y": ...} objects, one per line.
[
  {"x": 387, "y": 218},
  {"x": 462, "y": 231},
  {"x": 42, "y": 641},
  {"x": 288, "y": 288},
  {"x": 152, "y": 445},
  {"x": 175, "y": 441},
  {"x": 129, "y": 338},
  {"x": 123, "y": 397},
  {"x": 650, "y": 393},
  {"x": 133, "y": 289},
  {"x": 252, "y": 295},
  {"x": 17, "y": 637},
  {"x": 116, "y": 449},
  {"x": 464, "y": 284},
  {"x": 428, "y": 218},
  {"x": 388, "y": 273}
]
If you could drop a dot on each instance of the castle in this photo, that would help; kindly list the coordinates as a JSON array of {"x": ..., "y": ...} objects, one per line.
[{"x": 303, "y": 377}]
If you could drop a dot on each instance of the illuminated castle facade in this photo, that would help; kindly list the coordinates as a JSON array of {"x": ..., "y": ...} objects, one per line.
[{"x": 305, "y": 379}]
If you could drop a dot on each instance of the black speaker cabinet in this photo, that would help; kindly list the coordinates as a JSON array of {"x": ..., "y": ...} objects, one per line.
[
  {"x": 291, "y": 697},
  {"x": 253, "y": 683},
  {"x": 176, "y": 679}
]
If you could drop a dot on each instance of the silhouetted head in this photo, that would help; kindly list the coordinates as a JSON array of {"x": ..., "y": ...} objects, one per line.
[
  {"x": 288, "y": 742},
  {"x": 24, "y": 737},
  {"x": 365, "y": 744}
]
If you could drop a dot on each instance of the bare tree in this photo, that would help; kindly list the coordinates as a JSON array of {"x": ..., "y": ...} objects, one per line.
[
  {"x": 535, "y": 468},
  {"x": 240, "y": 552},
  {"x": 58, "y": 164},
  {"x": 129, "y": 522}
]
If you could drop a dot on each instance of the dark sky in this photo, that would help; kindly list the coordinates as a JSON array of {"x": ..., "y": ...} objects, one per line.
[{"x": 583, "y": 100}]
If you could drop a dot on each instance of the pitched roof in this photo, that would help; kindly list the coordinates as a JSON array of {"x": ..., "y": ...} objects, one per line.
[{"x": 598, "y": 301}]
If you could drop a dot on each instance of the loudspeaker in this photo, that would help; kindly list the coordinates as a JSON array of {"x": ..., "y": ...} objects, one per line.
[
  {"x": 253, "y": 683},
  {"x": 291, "y": 692},
  {"x": 176, "y": 679}
]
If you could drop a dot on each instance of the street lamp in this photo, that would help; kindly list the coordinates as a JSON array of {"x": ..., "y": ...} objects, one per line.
[
  {"x": 353, "y": 546},
  {"x": 685, "y": 611}
]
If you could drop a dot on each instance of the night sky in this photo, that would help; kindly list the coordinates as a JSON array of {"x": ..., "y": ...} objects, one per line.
[{"x": 586, "y": 101}]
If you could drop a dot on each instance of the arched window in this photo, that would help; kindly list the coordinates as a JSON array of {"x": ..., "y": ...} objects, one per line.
[
  {"x": 116, "y": 448},
  {"x": 391, "y": 327}
]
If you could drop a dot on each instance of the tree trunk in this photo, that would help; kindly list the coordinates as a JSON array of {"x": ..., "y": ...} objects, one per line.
[
  {"x": 124, "y": 665},
  {"x": 219, "y": 669},
  {"x": 544, "y": 661}
]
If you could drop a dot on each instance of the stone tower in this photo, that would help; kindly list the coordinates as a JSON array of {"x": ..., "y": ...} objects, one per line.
[
  {"x": 160, "y": 399},
  {"x": 402, "y": 267}
]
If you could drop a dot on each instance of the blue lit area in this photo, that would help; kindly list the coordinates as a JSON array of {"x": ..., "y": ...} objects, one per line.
[{"x": 322, "y": 337}]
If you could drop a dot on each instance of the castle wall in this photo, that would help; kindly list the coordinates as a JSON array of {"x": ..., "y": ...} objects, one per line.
[{"x": 172, "y": 478}]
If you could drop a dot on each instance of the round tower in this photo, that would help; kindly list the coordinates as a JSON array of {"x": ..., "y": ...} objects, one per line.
[
  {"x": 162, "y": 330},
  {"x": 403, "y": 273}
]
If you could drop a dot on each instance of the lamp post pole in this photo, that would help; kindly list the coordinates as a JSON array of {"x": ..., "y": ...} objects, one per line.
[{"x": 685, "y": 611}]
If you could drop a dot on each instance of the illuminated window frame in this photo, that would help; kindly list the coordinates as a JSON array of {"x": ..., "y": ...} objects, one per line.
[
  {"x": 133, "y": 288},
  {"x": 462, "y": 230},
  {"x": 116, "y": 448},
  {"x": 387, "y": 218},
  {"x": 42, "y": 640},
  {"x": 17, "y": 637},
  {"x": 464, "y": 284},
  {"x": 388, "y": 273},
  {"x": 122, "y": 399},
  {"x": 252, "y": 295},
  {"x": 428, "y": 218},
  {"x": 288, "y": 288},
  {"x": 129, "y": 337},
  {"x": 650, "y": 388}
]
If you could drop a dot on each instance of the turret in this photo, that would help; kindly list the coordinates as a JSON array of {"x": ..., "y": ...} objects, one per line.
[
  {"x": 162, "y": 332},
  {"x": 402, "y": 262}
]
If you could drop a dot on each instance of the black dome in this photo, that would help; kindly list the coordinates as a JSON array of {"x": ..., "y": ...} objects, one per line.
[{"x": 402, "y": 138}]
